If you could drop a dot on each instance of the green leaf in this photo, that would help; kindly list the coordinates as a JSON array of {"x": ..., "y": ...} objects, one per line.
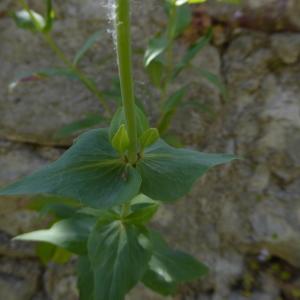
[
  {"x": 192, "y": 52},
  {"x": 120, "y": 141},
  {"x": 119, "y": 119},
  {"x": 142, "y": 213},
  {"x": 174, "y": 100},
  {"x": 181, "y": 2},
  {"x": 168, "y": 173},
  {"x": 24, "y": 20},
  {"x": 51, "y": 253},
  {"x": 156, "y": 47},
  {"x": 169, "y": 109},
  {"x": 89, "y": 121},
  {"x": 58, "y": 206},
  {"x": 149, "y": 137},
  {"x": 90, "y": 42},
  {"x": 91, "y": 172},
  {"x": 155, "y": 72},
  {"x": 85, "y": 282},
  {"x": 40, "y": 74},
  {"x": 216, "y": 81},
  {"x": 168, "y": 267},
  {"x": 49, "y": 16},
  {"x": 45, "y": 252},
  {"x": 70, "y": 234},
  {"x": 183, "y": 20},
  {"x": 61, "y": 256},
  {"x": 159, "y": 283},
  {"x": 119, "y": 254}
]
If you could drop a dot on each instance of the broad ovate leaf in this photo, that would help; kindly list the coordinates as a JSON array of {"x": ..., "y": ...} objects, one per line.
[
  {"x": 168, "y": 173},
  {"x": 169, "y": 267},
  {"x": 85, "y": 281},
  {"x": 70, "y": 234},
  {"x": 119, "y": 254},
  {"x": 91, "y": 171}
]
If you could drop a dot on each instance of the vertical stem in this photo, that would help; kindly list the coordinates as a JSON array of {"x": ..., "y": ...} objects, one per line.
[
  {"x": 169, "y": 52},
  {"x": 125, "y": 72}
]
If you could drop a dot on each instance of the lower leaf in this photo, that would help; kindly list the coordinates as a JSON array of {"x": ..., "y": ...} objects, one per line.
[
  {"x": 168, "y": 267},
  {"x": 119, "y": 254},
  {"x": 85, "y": 282},
  {"x": 70, "y": 234}
]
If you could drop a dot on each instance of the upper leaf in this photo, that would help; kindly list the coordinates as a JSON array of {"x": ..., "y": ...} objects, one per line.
[
  {"x": 87, "y": 45},
  {"x": 90, "y": 171},
  {"x": 192, "y": 51},
  {"x": 119, "y": 257},
  {"x": 168, "y": 173},
  {"x": 168, "y": 267},
  {"x": 156, "y": 47}
]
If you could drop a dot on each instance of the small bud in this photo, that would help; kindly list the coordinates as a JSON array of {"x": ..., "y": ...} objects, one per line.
[
  {"x": 149, "y": 137},
  {"x": 24, "y": 20},
  {"x": 120, "y": 141}
]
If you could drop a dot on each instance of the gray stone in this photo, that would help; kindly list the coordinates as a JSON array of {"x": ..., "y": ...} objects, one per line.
[
  {"x": 18, "y": 279},
  {"x": 9, "y": 247},
  {"x": 60, "y": 281}
]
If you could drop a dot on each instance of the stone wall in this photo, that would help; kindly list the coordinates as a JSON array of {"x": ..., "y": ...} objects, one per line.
[{"x": 234, "y": 218}]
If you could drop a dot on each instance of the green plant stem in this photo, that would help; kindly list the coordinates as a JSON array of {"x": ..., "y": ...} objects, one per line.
[
  {"x": 125, "y": 73},
  {"x": 169, "y": 50},
  {"x": 60, "y": 54}
]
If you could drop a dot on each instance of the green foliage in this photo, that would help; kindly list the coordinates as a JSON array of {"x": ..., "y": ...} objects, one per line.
[
  {"x": 115, "y": 247},
  {"x": 24, "y": 20},
  {"x": 119, "y": 119},
  {"x": 109, "y": 184},
  {"x": 168, "y": 268},
  {"x": 149, "y": 137},
  {"x": 120, "y": 140},
  {"x": 156, "y": 47},
  {"x": 41, "y": 74},
  {"x": 90, "y": 42},
  {"x": 178, "y": 170},
  {"x": 70, "y": 234},
  {"x": 91, "y": 171},
  {"x": 73, "y": 128},
  {"x": 85, "y": 281}
]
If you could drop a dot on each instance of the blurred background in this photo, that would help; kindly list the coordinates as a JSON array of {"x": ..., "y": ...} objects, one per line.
[{"x": 243, "y": 97}]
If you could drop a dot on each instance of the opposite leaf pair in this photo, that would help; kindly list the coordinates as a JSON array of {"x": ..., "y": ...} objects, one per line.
[
  {"x": 116, "y": 251},
  {"x": 93, "y": 173}
]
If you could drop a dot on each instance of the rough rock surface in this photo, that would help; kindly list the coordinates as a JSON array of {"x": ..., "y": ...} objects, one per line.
[{"x": 248, "y": 209}]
